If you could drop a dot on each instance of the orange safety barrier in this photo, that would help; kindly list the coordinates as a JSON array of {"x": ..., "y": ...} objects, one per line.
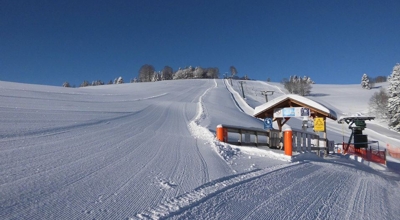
[
  {"x": 377, "y": 156},
  {"x": 288, "y": 141},
  {"x": 393, "y": 151},
  {"x": 222, "y": 133}
]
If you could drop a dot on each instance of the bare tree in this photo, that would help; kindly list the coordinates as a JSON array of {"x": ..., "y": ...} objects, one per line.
[
  {"x": 378, "y": 104},
  {"x": 146, "y": 73},
  {"x": 166, "y": 73},
  {"x": 212, "y": 72},
  {"x": 380, "y": 79},
  {"x": 233, "y": 70}
]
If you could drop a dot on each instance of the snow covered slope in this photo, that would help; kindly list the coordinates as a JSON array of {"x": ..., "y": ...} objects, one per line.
[{"x": 146, "y": 150}]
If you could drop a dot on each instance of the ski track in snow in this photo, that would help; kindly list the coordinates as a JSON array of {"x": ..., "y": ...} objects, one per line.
[
  {"x": 194, "y": 126},
  {"x": 180, "y": 204},
  {"x": 99, "y": 169},
  {"x": 282, "y": 192}
]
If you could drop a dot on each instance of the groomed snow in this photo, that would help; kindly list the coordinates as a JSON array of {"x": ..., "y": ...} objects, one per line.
[{"x": 147, "y": 151}]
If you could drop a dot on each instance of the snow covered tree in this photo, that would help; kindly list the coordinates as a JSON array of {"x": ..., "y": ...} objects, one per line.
[
  {"x": 378, "y": 104},
  {"x": 298, "y": 85},
  {"x": 134, "y": 80},
  {"x": 186, "y": 73},
  {"x": 156, "y": 76},
  {"x": 394, "y": 99},
  {"x": 97, "y": 83},
  {"x": 308, "y": 80},
  {"x": 189, "y": 72},
  {"x": 66, "y": 84},
  {"x": 84, "y": 84},
  {"x": 365, "y": 82},
  {"x": 119, "y": 80},
  {"x": 179, "y": 74},
  {"x": 198, "y": 73}
]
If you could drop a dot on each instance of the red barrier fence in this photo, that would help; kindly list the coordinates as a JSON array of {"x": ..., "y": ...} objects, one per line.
[
  {"x": 369, "y": 154},
  {"x": 393, "y": 151}
]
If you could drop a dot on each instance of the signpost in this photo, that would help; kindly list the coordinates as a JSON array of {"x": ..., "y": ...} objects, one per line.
[
  {"x": 268, "y": 123},
  {"x": 319, "y": 124}
]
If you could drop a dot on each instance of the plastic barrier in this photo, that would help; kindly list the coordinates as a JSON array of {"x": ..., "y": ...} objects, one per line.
[
  {"x": 288, "y": 141},
  {"x": 369, "y": 154},
  {"x": 393, "y": 151},
  {"x": 222, "y": 134}
]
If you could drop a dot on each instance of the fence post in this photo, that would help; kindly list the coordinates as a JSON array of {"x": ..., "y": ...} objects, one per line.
[
  {"x": 222, "y": 134},
  {"x": 288, "y": 141}
]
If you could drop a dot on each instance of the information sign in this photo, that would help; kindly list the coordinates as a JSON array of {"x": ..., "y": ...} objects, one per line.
[
  {"x": 268, "y": 123},
  {"x": 291, "y": 112},
  {"x": 319, "y": 124}
]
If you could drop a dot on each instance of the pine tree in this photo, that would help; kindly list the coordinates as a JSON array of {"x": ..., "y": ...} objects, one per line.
[
  {"x": 394, "y": 99},
  {"x": 365, "y": 82},
  {"x": 119, "y": 80}
]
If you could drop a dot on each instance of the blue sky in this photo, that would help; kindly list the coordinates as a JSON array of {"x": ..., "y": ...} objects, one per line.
[{"x": 333, "y": 42}]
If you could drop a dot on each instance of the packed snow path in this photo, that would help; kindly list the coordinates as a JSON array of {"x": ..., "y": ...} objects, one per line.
[
  {"x": 103, "y": 152},
  {"x": 124, "y": 151},
  {"x": 305, "y": 190},
  {"x": 97, "y": 155}
]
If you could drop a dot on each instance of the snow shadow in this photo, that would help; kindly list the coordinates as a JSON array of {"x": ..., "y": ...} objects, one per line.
[
  {"x": 391, "y": 171},
  {"x": 393, "y": 165},
  {"x": 318, "y": 94}
]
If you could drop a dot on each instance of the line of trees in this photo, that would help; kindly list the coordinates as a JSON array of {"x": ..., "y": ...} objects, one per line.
[
  {"x": 369, "y": 82},
  {"x": 85, "y": 83},
  {"x": 147, "y": 73},
  {"x": 298, "y": 85}
]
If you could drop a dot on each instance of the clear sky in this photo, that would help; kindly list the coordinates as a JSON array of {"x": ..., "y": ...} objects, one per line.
[{"x": 334, "y": 42}]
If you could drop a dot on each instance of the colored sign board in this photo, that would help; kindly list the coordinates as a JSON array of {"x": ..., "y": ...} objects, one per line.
[
  {"x": 291, "y": 112},
  {"x": 319, "y": 124},
  {"x": 268, "y": 123}
]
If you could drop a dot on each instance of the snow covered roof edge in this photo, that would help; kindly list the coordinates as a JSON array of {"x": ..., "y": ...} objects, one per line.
[{"x": 261, "y": 108}]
